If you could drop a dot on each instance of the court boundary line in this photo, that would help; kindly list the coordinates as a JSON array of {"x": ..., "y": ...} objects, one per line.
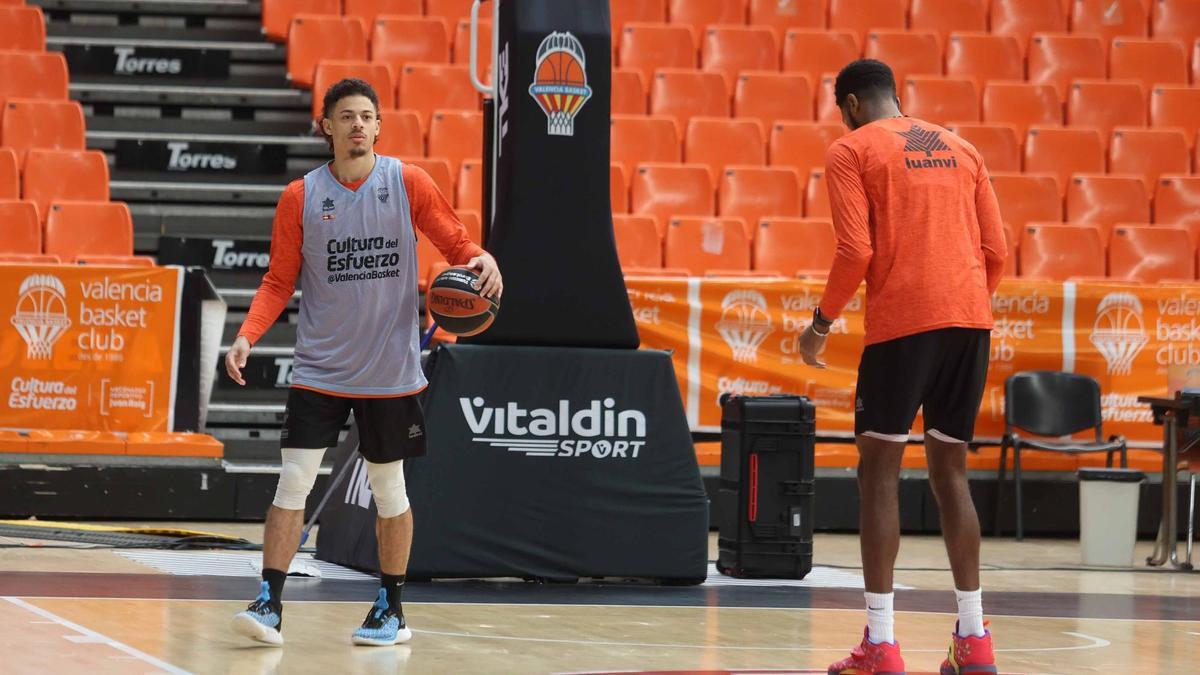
[
  {"x": 592, "y": 605},
  {"x": 99, "y": 637}
]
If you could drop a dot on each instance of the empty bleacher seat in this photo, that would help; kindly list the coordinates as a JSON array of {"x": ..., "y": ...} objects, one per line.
[
  {"x": 636, "y": 11},
  {"x": 80, "y": 228},
  {"x": 639, "y": 138},
  {"x": 426, "y": 87},
  {"x": 1148, "y": 62},
  {"x": 116, "y": 260},
  {"x": 41, "y": 123},
  {"x": 1058, "y": 252},
  {"x": 1175, "y": 20},
  {"x": 1063, "y": 152},
  {"x": 731, "y": 49},
  {"x": 462, "y": 47},
  {"x": 628, "y": 92},
  {"x": 664, "y": 191},
  {"x": 450, "y": 12},
  {"x": 400, "y": 134},
  {"x": 469, "y": 188},
  {"x": 983, "y": 57},
  {"x": 700, "y": 14},
  {"x": 1103, "y": 104},
  {"x": 1177, "y": 203},
  {"x": 645, "y": 47},
  {"x": 719, "y": 142},
  {"x": 948, "y": 16},
  {"x": 781, "y": 17},
  {"x": 1023, "y": 18},
  {"x": 438, "y": 169},
  {"x": 683, "y": 94},
  {"x": 753, "y": 193},
  {"x": 1108, "y": 19},
  {"x": 277, "y": 15},
  {"x": 792, "y": 246},
  {"x": 1022, "y": 105},
  {"x": 456, "y": 135},
  {"x": 10, "y": 176},
  {"x": 1059, "y": 59},
  {"x": 1150, "y": 254},
  {"x": 1148, "y": 153},
  {"x": 1026, "y": 198},
  {"x": 329, "y": 72},
  {"x": 815, "y": 52},
  {"x": 860, "y": 16},
  {"x": 638, "y": 241},
  {"x": 770, "y": 97},
  {"x": 22, "y": 28},
  {"x": 1176, "y": 106},
  {"x": 816, "y": 196},
  {"x": 61, "y": 175},
  {"x": 367, "y": 10},
  {"x": 20, "y": 231},
  {"x": 940, "y": 100},
  {"x": 701, "y": 244},
  {"x": 997, "y": 143},
  {"x": 400, "y": 40},
  {"x": 315, "y": 38},
  {"x": 906, "y": 53},
  {"x": 826, "y": 104},
  {"x": 618, "y": 188},
  {"x": 802, "y": 145},
  {"x": 1105, "y": 200},
  {"x": 33, "y": 75}
]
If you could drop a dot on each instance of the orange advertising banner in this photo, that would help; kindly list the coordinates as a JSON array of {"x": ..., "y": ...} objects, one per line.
[
  {"x": 741, "y": 336},
  {"x": 85, "y": 347}
]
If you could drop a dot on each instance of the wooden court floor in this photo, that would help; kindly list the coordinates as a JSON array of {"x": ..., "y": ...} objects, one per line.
[{"x": 97, "y": 611}]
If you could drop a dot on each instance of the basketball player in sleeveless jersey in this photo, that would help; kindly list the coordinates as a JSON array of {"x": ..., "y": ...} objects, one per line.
[
  {"x": 347, "y": 231},
  {"x": 916, "y": 219}
]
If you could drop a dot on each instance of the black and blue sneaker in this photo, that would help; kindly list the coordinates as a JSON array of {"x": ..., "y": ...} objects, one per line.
[
  {"x": 383, "y": 627},
  {"x": 262, "y": 620}
]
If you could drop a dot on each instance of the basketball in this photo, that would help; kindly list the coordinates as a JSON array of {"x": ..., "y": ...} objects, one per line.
[{"x": 456, "y": 305}]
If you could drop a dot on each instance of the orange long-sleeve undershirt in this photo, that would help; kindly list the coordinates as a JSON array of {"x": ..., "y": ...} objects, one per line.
[
  {"x": 928, "y": 240},
  {"x": 431, "y": 214}
]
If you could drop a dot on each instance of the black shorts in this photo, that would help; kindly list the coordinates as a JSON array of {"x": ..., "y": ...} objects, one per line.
[
  {"x": 389, "y": 429},
  {"x": 944, "y": 371}
]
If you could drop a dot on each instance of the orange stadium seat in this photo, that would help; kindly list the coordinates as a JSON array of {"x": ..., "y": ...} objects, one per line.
[
  {"x": 664, "y": 191},
  {"x": 1148, "y": 62},
  {"x": 1059, "y": 59},
  {"x": 792, "y": 246},
  {"x": 377, "y": 75},
  {"x": 41, "y": 123},
  {"x": 1063, "y": 152},
  {"x": 756, "y": 192},
  {"x": 1108, "y": 19},
  {"x": 400, "y": 134},
  {"x": 367, "y": 10},
  {"x": 450, "y": 12},
  {"x": 700, "y": 14},
  {"x": 1058, "y": 252},
  {"x": 860, "y": 16},
  {"x": 782, "y": 17},
  {"x": 940, "y": 99},
  {"x": 20, "y": 231},
  {"x": 948, "y": 16},
  {"x": 646, "y": 47},
  {"x": 1103, "y": 105},
  {"x": 1026, "y": 198},
  {"x": 277, "y": 14},
  {"x": 79, "y": 228},
  {"x": 700, "y": 244},
  {"x": 1012, "y": 245},
  {"x": 172, "y": 444},
  {"x": 827, "y": 110},
  {"x": 618, "y": 188},
  {"x": 439, "y": 170},
  {"x": 30, "y": 259},
  {"x": 731, "y": 49},
  {"x": 719, "y": 142},
  {"x": 1022, "y": 105},
  {"x": 816, "y": 196},
  {"x": 906, "y": 53},
  {"x": 1196, "y": 61},
  {"x": 1150, "y": 254},
  {"x": 771, "y": 97},
  {"x": 462, "y": 47},
  {"x": 1177, "y": 202},
  {"x": 1148, "y": 153},
  {"x": 426, "y": 87},
  {"x": 639, "y": 138},
  {"x": 400, "y": 40},
  {"x": 1105, "y": 200},
  {"x": 814, "y": 52},
  {"x": 802, "y": 145},
  {"x": 314, "y": 38},
  {"x": 23, "y": 28},
  {"x": 58, "y": 175},
  {"x": 456, "y": 135},
  {"x": 469, "y": 188},
  {"x": 10, "y": 175},
  {"x": 116, "y": 260},
  {"x": 638, "y": 241},
  {"x": 983, "y": 57},
  {"x": 1175, "y": 20},
  {"x": 1023, "y": 18},
  {"x": 33, "y": 75},
  {"x": 628, "y": 92},
  {"x": 998, "y": 143},
  {"x": 1176, "y": 106},
  {"x": 684, "y": 94},
  {"x": 635, "y": 11},
  {"x": 64, "y": 442}
]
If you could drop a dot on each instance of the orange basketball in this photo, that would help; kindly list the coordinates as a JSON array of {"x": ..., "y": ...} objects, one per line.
[{"x": 560, "y": 68}]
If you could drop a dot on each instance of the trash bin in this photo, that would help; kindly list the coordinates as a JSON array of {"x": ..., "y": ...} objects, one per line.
[{"x": 1108, "y": 508}]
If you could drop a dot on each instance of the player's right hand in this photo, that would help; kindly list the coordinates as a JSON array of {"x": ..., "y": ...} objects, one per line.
[{"x": 235, "y": 360}]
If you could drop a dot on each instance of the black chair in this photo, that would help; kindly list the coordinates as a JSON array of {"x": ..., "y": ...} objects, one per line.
[{"x": 1053, "y": 404}]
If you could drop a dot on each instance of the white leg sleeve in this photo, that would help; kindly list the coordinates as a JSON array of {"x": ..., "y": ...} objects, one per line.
[
  {"x": 297, "y": 477},
  {"x": 387, "y": 484}
]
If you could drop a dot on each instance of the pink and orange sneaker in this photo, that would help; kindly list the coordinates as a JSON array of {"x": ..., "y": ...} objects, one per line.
[
  {"x": 869, "y": 658},
  {"x": 970, "y": 655}
]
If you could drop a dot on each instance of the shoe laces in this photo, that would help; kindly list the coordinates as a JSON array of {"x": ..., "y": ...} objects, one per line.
[
  {"x": 379, "y": 611},
  {"x": 263, "y": 601}
]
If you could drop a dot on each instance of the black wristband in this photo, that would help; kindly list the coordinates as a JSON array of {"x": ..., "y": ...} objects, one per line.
[{"x": 820, "y": 320}]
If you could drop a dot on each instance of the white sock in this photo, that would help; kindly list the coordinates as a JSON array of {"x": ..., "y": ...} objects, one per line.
[
  {"x": 880, "y": 621},
  {"x": 970, "y": 612}
]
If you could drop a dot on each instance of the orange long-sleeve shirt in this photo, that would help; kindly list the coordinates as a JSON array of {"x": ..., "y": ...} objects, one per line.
[
  {"x": 431, "y": 214},
  {"x": 915, "y": 217}
]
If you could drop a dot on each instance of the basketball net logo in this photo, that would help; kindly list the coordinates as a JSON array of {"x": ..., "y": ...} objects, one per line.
[
  {"x": 745, "y": 323},
  {"x": 560, "y": 82},
  {"x": 1118, "y": 333},
  {"x": 41, "y": 316}
]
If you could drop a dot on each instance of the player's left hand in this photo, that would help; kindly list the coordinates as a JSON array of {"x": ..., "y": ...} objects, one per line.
[
  {"x": 491, "y": 284},
  {"x": 812, "y": 346}
]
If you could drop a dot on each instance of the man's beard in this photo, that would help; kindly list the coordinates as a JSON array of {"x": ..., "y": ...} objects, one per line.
[{"x": 357, "y": 151}]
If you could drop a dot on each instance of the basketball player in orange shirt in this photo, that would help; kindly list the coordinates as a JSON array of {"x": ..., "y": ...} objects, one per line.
[{"x": 916, "y": 219}]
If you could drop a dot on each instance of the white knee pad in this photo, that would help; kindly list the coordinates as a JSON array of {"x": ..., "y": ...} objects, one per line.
[
  {"x": 387, "y": 484},
  {"x": 297, "y": 477}
]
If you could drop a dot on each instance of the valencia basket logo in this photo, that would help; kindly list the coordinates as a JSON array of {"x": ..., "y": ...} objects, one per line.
[{"x": 560, "y": 82}]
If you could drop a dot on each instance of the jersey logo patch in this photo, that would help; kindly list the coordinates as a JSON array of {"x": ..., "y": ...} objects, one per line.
[{"x": 382, "y": 194}]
